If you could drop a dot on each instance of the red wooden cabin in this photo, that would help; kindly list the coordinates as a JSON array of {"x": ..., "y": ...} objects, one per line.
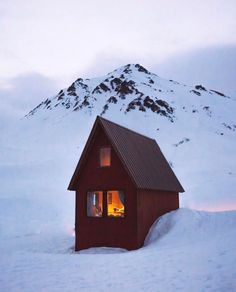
[{"x": 123, "y": 183}]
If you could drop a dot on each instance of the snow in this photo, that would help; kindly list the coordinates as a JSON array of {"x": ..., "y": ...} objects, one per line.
[{"x": 187, "y": 250}]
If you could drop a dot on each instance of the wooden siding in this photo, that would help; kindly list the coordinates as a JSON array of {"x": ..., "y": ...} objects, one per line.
[
  {"x": 115, "y": 232},
  {"x": 150, "y": 206}
]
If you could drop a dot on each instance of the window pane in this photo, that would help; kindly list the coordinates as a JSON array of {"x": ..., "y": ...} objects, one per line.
[
  {"x": 94, "y": 204},
  {"x": 115, "y": 204},
  {"x": 105, "y": 156}
]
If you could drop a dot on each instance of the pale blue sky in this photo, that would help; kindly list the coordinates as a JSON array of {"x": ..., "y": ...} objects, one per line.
[{"x": 54, "y": 42}]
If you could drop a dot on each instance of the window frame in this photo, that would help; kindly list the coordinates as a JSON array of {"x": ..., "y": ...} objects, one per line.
[{"x": 86, "y": 209}]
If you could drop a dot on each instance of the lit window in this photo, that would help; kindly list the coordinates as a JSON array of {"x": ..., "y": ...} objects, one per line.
[
  {"x": 115, "y": 204},
  {"x": 105, "y": 156},
  {"x": 94, "y": 204}
]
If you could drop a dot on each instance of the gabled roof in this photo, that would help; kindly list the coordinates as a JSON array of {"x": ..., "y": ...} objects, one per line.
[{"x": 140, "y": 155}]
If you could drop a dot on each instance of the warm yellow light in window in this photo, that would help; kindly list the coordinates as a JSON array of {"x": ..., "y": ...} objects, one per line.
[
  {"x": 105, "y": 156},
  {"x": 115, "y": 204}
]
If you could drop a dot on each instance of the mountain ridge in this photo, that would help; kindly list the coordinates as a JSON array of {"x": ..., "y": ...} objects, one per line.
[{"x": 130, "y": 87}]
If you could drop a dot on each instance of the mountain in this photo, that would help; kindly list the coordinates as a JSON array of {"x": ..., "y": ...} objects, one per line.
[
  {"x": 129, "y": 88},
  {"x": 185, "y": 250},
  {"x": 194, "y": 126}
]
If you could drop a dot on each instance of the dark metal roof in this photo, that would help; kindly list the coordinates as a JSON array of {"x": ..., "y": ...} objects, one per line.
[{"x": 141, "y": 157}]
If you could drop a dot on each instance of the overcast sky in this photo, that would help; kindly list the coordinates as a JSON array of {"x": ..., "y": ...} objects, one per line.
[{"x": 45, "y": 45}]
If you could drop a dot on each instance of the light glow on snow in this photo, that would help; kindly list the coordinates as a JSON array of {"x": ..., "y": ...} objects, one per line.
[{"x": 217, "y": 208}]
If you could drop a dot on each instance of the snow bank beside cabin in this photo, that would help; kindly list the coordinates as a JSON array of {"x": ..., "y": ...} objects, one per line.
[{"x": 188, "y": 226}]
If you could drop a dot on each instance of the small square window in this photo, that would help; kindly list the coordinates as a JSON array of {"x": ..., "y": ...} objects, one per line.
[
  {"x": 115, "y": 204},
  {"x": 105, "y": 156},
  {"x": 95, "y": 204}
]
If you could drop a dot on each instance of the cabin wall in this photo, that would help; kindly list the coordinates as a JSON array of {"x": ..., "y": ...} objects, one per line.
[
  {"x": 150, "y": 206},
  {"x": 105, "y": 231}
]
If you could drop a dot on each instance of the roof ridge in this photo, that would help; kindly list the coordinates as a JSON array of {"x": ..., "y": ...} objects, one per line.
[{"x": 127, "y": 129}]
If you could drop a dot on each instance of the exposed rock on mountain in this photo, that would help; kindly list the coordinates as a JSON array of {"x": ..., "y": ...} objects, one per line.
[{"x": 132, "y": 90}]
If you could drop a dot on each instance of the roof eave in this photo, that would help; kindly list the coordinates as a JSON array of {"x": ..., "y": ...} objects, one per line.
[{"x": 161, "y": 189}]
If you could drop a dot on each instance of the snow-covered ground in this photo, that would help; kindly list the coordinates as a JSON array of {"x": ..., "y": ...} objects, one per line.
[{"x": 187, "y": 250}]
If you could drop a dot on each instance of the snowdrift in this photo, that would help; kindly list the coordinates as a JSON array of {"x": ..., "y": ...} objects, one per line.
[
  {"x": 189, "y": 226},
  {"x": 184, "y": 250}
]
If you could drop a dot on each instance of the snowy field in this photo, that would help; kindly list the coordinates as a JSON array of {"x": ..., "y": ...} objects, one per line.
[{"x": 185, "y": 251}]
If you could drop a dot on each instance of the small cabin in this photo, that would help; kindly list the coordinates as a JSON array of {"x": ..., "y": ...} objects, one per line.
[{"x": 123, "y": 183}]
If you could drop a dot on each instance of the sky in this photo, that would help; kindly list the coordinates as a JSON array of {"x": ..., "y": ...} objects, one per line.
[{"x": 46, "y": 45}]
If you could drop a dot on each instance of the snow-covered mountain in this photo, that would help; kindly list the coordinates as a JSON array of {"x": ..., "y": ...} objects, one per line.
[
  {"x": 131, "y": 88},
  {"x": 195, "y": 126}
]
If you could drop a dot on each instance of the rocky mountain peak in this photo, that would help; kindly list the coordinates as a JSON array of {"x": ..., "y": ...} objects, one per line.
[
  {"x": 130, "y": 88},
  {"x": 130, "y": 68}
]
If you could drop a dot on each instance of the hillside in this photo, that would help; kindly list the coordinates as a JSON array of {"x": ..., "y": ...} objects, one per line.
[
  {"x": 186, "y": 250},
  {"x": 194, "y": 126}
]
